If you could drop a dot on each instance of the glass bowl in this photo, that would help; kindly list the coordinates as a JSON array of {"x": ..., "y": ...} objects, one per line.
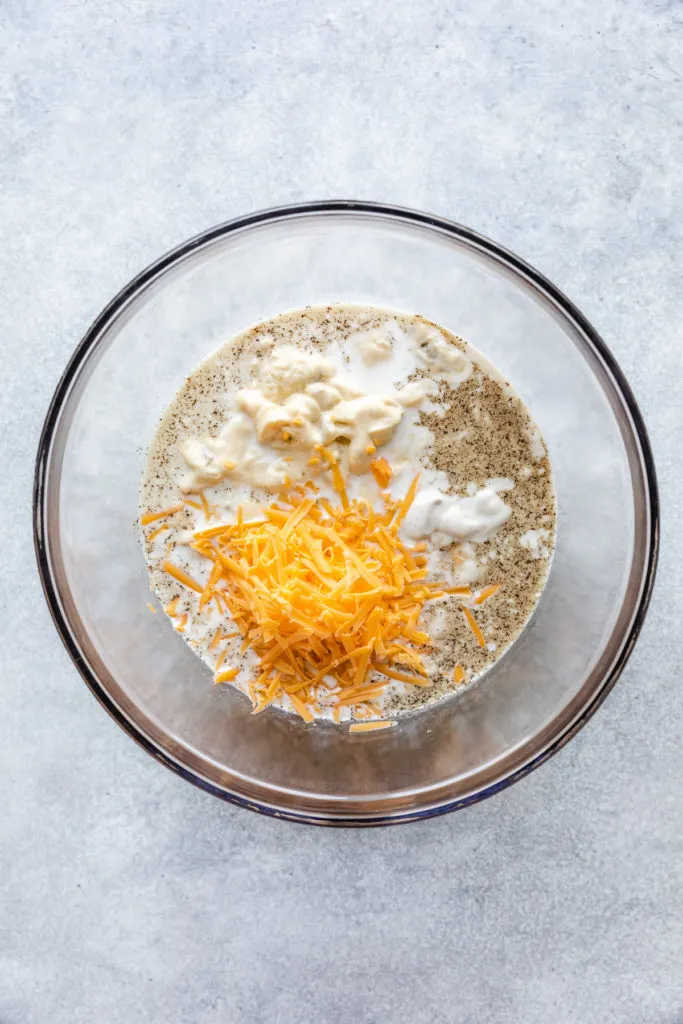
[{"x": 92, "y": 450}]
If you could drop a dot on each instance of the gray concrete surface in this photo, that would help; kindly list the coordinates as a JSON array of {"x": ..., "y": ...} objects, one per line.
[{"x": 128, "y": 896}]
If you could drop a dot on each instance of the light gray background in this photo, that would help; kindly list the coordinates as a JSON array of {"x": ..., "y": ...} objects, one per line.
[{"x": 126, "y": 125}]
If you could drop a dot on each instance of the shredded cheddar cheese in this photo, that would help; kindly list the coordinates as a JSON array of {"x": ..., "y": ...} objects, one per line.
[
  {"x": 371, "y": 726},
  {"x": 205, "y": 505},
  {"x": 486, "y": 593},
  {"x": 227, "y": 675},
  {"x": 458, "y": 674},
  {"x": 328, "y": 598},
  {"x": 474, "y": 626},
  {"x": 181, "y": 576},
  {"x": 155, "y": 533},
  {"x": 381, "y": 470},
  {"x": 151, "y": 517},
  {"x": 217, "y": 637}
]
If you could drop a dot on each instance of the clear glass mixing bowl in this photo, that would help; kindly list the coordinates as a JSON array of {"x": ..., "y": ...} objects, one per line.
[{"x": 93, "y": 447}]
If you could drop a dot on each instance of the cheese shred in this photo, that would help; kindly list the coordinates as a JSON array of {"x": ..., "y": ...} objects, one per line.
[
  {"x": 472, "y": 623},
  {"x": 151, "y": 517},
  {"x": 181, "y": 576},
  {"x": 371, "y": 726},
  {"x": 486, "y": 593}
]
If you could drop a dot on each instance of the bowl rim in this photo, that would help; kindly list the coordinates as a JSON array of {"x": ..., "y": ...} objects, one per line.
[{"x": 455, "y": 231}]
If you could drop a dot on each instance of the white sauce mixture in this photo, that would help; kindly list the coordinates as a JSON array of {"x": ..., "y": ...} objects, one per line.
[
  {"x": 444, "y": 517},
  {"x": 301, "y": 402},
  {"x": 367, "y": 384}
]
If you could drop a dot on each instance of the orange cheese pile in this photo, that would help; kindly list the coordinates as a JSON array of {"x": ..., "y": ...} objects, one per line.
[{"x": 329, "y": 598}]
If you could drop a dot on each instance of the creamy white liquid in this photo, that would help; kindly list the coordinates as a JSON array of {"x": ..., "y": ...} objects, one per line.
[{"x": 475, "y": 519}]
